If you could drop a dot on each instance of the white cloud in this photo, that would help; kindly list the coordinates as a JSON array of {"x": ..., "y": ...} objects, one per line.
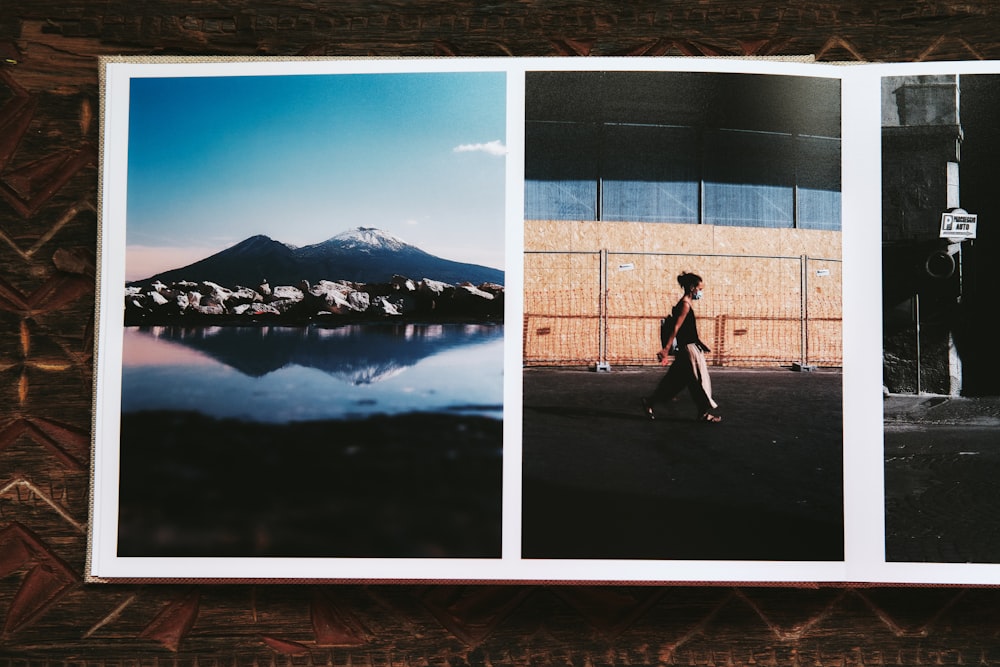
[{"x": 494, "y": 147}]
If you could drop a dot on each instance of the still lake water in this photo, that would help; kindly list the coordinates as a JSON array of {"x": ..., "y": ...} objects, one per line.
[
  {"x": 292, "y": 374},
  {"x": 392, "y": 433}
]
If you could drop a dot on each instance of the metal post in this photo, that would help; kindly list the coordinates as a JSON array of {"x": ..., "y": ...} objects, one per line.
[
  {"x": 802, "y": 364},
  {"x": 916, "y": 317},
  {"x": 803, "y": 310},
  {"x": 602, "y": 315}
]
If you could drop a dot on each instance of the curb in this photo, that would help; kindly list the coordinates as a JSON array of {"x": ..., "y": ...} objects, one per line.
[{"x": 939, "y": 409}]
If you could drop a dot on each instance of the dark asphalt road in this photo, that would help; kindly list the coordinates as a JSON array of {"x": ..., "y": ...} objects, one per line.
[
  {"x": 942, "y": 492},
  {"x": 600, "y": 480}
]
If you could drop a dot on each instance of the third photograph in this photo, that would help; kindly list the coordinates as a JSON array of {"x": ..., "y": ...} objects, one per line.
[{"x": 940, "y": 368}]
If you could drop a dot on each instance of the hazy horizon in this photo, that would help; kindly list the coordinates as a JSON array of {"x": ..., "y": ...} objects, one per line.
[{"x": 145, "y": 257}]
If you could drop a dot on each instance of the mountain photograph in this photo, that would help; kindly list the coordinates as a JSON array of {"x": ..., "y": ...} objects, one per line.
[{"x": 250, "y": 352}]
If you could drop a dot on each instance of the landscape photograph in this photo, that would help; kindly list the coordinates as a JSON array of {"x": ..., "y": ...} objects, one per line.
[{"x": 313, "y": 317}]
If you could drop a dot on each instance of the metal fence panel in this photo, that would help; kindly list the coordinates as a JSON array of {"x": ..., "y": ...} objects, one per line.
[
  {"x": 590, "y": 308},
  {"x": 562, "y": 308}
]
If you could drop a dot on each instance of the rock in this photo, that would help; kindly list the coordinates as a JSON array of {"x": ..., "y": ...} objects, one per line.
[
  {"x": 401, "y": 296},
  {"x": 386, "y": 307},
  {"x": 285, "y": 306},
  {"x": 435, "y": 287},
  {"x": 340, "y": 297},
  {"x": 214, "y": 293},
  {"x": 210, "y": 309},
  {"x": 287, "y": 293},
  {"x": 402, "y": 283},
  {"x": 475, "y": 291},
  {"x": 255, "y": 308},
  {"x": 244, "y": 295}
]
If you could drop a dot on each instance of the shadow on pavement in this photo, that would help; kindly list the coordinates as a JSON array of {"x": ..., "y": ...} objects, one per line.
[
  {"x": 600, "y": 480},
  {"x": 557, "y": 411}
]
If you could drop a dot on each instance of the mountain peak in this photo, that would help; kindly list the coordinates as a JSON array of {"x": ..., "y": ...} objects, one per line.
[
  {"x": 257, "y": 241},
  {"x": 368, "y": 237}
]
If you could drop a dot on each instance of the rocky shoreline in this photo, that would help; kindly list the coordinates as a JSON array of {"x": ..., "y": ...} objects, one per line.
[{"x": 325, "y": 302}]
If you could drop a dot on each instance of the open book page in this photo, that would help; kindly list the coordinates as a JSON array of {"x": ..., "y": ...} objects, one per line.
[{"x": 308, "y": 266}]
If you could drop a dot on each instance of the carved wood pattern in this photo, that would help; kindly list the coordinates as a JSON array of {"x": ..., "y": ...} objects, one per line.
[{"x": 48, "y": 197}]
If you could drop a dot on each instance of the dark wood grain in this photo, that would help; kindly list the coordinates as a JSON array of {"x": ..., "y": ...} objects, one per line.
[{"x": 48, "y": 197}]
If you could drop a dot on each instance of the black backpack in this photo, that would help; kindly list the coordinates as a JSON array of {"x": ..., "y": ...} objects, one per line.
[{"x": 667, "y": 328}]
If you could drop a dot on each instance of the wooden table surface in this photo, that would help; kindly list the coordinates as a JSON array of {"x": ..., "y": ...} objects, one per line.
[{"x": 48, "y": 227}]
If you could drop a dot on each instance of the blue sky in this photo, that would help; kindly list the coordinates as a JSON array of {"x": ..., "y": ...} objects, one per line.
[{"x": 301, "y": 158}]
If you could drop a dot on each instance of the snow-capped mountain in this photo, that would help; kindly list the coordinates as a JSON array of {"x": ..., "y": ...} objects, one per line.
[
  {"x": 363, "y": 254},
  {"x": 365, "y": 239}
]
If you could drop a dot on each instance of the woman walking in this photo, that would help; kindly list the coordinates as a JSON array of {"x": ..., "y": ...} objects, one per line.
[{"x": 689, "y": 368}]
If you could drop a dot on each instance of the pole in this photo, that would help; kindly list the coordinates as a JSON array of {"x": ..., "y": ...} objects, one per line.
[
  {"x": 602, "y": 318},
  {"x": 916, "y": 313},
  {"x": 803, "y": 313}
]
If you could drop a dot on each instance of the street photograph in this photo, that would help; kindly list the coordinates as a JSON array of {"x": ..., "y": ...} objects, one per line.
[
  {"x": 941, "y": 373},
  {"x": 682, "y": 343}
]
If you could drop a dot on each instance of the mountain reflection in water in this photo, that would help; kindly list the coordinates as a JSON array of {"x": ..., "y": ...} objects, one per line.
[{"x": 298, "y": 373}]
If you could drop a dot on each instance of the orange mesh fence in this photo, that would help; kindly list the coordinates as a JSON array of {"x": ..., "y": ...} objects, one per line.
[
  {"x": 563, "y": 313},
  {"x": 587, "y": 308}
]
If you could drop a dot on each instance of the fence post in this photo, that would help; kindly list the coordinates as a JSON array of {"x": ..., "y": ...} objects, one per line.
[
  {"x": 803, "y": 362},
  {"x": 602, "y": 313},
  {"x": 803, "y": 311}
]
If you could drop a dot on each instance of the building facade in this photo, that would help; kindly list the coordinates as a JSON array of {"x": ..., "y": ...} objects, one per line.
[{"x": 633, "y": 177}]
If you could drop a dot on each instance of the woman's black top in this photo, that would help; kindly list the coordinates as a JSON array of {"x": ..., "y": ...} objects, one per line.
[{"x": 688, "y": 333}]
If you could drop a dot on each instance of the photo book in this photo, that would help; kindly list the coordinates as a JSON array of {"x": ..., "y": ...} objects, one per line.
[{"x": 751, "y": 304}]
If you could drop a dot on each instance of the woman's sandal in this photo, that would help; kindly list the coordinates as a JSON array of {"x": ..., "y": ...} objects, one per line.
[{"x": 709, "y": 418}]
